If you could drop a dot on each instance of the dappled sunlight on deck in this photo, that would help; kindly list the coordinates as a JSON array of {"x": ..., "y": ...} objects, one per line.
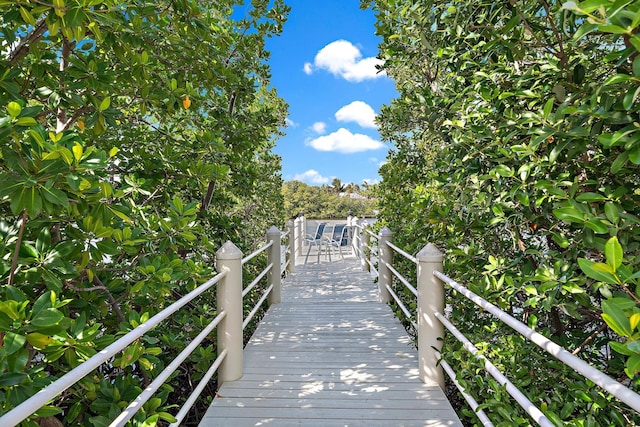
[{"x": 330, "y": 354}]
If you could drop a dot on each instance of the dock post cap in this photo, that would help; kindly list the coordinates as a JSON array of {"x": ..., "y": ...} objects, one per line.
[
  {"x": 229, "y": 251},
  {"x": 430, "y": 253}
]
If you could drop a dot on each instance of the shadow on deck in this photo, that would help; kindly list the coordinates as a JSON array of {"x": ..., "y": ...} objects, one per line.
[{"x": 330, "y": 354}]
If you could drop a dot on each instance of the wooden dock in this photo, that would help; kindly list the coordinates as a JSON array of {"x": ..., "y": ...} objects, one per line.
[{"x": 330, "y": 355}]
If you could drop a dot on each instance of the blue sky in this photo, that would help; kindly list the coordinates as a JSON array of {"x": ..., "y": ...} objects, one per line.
[{"x": 323, "y": 65}]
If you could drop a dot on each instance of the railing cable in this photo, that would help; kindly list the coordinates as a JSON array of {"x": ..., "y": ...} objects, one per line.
[
  {"x": 470, "y": 400},
  {"x": 526, "y": 404},
  {"x": 600, "y": 378},
  {"x": 199, "y": 389},
  {"x": 404, "y": 281},
  {"x": 256, "y": 280},
  {"x": 42, "y": 397},
  {"x": 256, "y": 253},
  {"x": 148, "y": 392},
  {"x": 403, "y": 253},
  {"x": 256, "y": 307}
]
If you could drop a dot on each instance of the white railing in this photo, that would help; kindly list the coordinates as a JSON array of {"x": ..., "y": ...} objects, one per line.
[
  {"x": 431, "y": 323},
  {"x": 229, "y": 324}
]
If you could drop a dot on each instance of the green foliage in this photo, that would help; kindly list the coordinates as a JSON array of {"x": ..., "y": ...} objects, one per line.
[
  {"x": 517, "y": 152},
  {"x": 135, "y": 138},
  {"x": 335, "y": 201}
]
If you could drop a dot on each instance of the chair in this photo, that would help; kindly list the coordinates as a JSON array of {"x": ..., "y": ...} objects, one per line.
[
  {"x": 337, "y": 240},
  {"x": 315, "y": 240}
]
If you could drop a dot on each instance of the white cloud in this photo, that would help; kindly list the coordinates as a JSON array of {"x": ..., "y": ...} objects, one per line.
[
  {"x": 311, "y": 177},
  {"x": 319, "y": 127},
  {"x": 369, "y": 181},
  {"x": 359, "y": 112},
  {"x": 290, "y": 123},
  {"x": 341, "y": 58},
  {"x": 346, "y": 142},
  {"x": 308, "y": 68}
]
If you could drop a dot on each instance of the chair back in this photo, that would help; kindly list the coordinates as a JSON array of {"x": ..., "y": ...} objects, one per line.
[
  {"x": 339, "y": 235},
  {"x": 320, "y": 230}
]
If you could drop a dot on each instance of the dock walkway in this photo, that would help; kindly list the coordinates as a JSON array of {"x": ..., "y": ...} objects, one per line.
[{"x": 330, "y": 354}]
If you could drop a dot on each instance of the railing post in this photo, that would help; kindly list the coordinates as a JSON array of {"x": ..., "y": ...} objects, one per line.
[
  {"x": 299, "y": 238},
  {"x": 229, "y": 300},
  {"x": 273, "y": 257},
  {"x": 430, "y": 300},
  {"x": 385, "y": 255},
  {"x": 364, "y": 247},
  {"x": 353, "y": 235},
  {"x": 291, "y": 268}
]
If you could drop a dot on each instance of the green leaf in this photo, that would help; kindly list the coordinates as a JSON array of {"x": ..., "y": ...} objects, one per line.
[
  {"x": 597, "y": 226},
  {"x": 26, "y": 121},
  {"x": 14, "y": 109},
  {"x": 613, "y": 253},
  {"x": 55, "y": 196},
  {"x": 47, "y": 317},
  {"x": 617, "y": 78},
  {"x": 503, "y": 170},
  {"x": 612, "y": 212},
  {"x": 590, "y": 197},
  {"x": 569, "y": 214},
  {"x": 39, "y": 341},
  {"x": 11, "y": 378},
  {"x": 105, "y": 104},
  {"x": 620, "y": 348},
  {"x": 632, "y": 366},
  {"x": 616, "y": 319},
  {"x": 13, "y": 342},
  {"x": 27, "y": 17},
  {"x": 591, "y": 269},
  {"x": 619, "y": 162}
]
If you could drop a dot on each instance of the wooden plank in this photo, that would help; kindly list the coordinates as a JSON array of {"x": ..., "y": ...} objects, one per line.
[{"x": 332, "y": 355}]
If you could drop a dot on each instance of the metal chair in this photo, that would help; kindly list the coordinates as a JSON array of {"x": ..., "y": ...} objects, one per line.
[
  {"x": 338, "y": 239},
  {"x": 315, "y": 240}
]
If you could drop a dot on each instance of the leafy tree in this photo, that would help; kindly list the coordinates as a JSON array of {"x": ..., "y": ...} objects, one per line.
[
  {"x": 516, "y": 151},
  {"x": 324, "y": 202},
  {"x": 135, "y": 138}
]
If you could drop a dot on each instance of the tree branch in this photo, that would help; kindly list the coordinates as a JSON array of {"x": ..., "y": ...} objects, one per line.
[
  {"x": 589, "y": 339},
  {"x": 22, "y": 48},
  {"x": 14, "y": 261},
  {"x": 99, "y": 286}
]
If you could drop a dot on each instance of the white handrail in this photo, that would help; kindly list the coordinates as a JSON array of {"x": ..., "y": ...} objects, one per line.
[
  {"x": 256, "y": 280},
  {"x": 470, "y": 400},
  {"x": 146, "y": 394},
  {"x": 404, "y": 309},
  {"x": 284, "y": 267},
  {"x": 403, "y": 253},
  {"x": 621, "y": 392},
  {"x": 402, "y": 279},
  {"x": 256, "y": 253},
  {"x": 526, "y": 404},
  {"x": 256, "y": 307},
  {"x": 42, "y": 397},
  {"x": 198, "y": 390}
]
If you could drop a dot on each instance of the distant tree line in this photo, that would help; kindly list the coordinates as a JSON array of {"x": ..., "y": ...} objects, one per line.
[{"x": 328, "y": 201}]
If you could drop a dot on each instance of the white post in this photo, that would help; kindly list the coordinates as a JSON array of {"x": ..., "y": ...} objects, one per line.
[
  {"x": 430, "y": 300},
  {"x": 229, "y": 300},
  {"x": 273, "y": 257},
  {"x": 299, "y": 238},
  {"x": 364, "y": 247},
  {"x": 385, "y": 255},
  {"x": 291, "y": 268},
  {"x": 353, "y": 235}
]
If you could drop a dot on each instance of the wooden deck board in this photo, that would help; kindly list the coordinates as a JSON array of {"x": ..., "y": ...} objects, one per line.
[{"x": 330, "y": 355}]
